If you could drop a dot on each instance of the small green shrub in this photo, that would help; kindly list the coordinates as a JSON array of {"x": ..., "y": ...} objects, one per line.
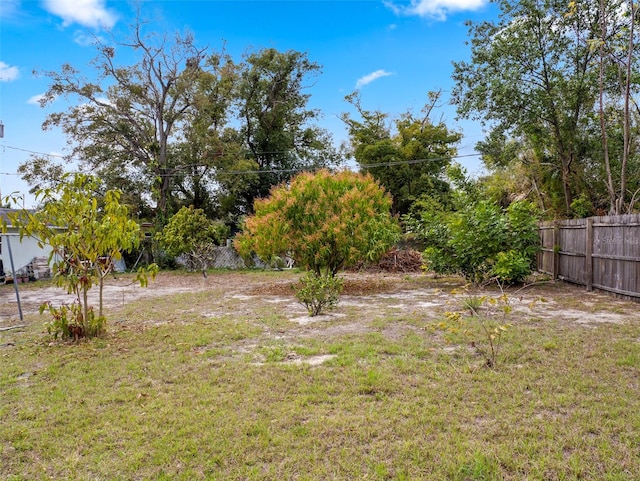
[
  {"x": 318, "y": 292},
  {"x": 581, "y": 207},
  {"x": 69, "y": 322}
]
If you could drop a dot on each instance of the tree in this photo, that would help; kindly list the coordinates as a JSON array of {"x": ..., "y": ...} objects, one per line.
[
  {"x": 124, "y": 121},
  {"x": 206, "y": 144},
  {"x": 616, "y": 46},
  {"x": 191, "y": 233},
  {"x": 325, "y": 221},
  {"x": 164, "y": 127},
  {"x": 482, "y": 240},
  {"x": 277, "y": 127},
  {"x": 409, "y": 163},
  {"x": 87, "y": 236},
  {"x": 531, "y": 76}
]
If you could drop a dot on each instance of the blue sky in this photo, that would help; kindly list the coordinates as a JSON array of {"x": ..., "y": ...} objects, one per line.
[{"x": 394, "y": 53}]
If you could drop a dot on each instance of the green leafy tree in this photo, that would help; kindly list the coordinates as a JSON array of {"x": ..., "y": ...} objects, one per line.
[
  {"x": 87, "y": 233},
  {"x": 191, "y": 233},
  {"x": 124, "y": 122},
  {"x": 531, "y": 77},
  {"x": 324, "y": 221},
  {"x": 481, "y": 241},
  {"x": 411, "y": 161},
  {"x": 277, "y": 127},
  {"x": 206, "y": 144}
]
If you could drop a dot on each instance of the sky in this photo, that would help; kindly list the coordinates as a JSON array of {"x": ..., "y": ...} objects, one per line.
[{"x": 393, "y": 52}]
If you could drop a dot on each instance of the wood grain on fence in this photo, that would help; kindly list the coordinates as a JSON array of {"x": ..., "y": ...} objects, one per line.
[{"x": 598, "y": 252}]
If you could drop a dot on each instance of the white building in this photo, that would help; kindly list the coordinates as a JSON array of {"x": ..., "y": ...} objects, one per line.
[{"x": 29, "y": 259}]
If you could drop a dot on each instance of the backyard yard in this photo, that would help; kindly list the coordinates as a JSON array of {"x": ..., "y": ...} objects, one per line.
[{"x": 228, "y": 378}]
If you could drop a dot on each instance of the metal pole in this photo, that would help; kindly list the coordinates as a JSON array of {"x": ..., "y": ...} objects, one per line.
[{"x": 15, "y": 279}]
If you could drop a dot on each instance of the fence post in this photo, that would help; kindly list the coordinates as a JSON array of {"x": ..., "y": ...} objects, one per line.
[
  {"x": 556, "y": 250},
  {"x": 588, "y": 258}
]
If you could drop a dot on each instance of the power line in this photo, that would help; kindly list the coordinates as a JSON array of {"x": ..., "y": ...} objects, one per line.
[
  {"x": 268, "y": 171},
  {"x": 32, "y": 151}
]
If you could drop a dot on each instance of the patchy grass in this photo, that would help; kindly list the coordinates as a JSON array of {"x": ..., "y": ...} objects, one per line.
[{"x": 200, "y": 385}]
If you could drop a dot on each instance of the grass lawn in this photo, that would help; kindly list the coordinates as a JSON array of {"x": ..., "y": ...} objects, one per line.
[{"x": 230, "y": 381}]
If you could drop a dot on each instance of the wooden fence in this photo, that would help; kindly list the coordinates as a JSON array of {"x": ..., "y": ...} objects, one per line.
[{"x": 598, "y": 252}]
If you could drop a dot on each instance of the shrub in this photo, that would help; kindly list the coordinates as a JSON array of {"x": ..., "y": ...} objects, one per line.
[
  {"x": 191, "y": 233},
  {"x": 318, "y": 292},
  {"x": 484, "y": 241},
  {"x": 511, "y": 267},
  {"x": 325, "y": 222},
  {"x": 69, "y": 321},
  {"x": 581, "y": 207}
]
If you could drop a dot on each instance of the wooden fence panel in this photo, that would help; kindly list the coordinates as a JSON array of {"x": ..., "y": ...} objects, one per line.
[
  {"x": 572, "y": 251},
  {"x": 599, "y": 252},
  {"x": 547, "y": 253}
]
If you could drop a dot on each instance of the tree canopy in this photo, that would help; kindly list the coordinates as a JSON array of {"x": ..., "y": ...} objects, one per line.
[
  {"x": 549, "y": 79},
  {"x": 411, "y": 161},
  {"x": 325, "y": 221},
  {"x": 182, "y": 125}
]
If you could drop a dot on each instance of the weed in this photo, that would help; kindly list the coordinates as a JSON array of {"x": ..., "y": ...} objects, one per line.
[
  {"x": 484, "y": 327},
  {"x": 473, "y": 304}
]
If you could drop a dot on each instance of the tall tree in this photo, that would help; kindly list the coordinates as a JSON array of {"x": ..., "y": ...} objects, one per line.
[
  {"x": 617, "y": 60},
  {"x": 277, "y": 126},
  {"x": 204, "y": 145},
  {"x": 123, "y": 122},
  {"x": 410, "y": 161},
  {"x": 531, "y": 76}
]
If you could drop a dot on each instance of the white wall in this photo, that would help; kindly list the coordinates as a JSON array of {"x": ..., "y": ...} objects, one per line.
[{"x": 23, "y": 251}]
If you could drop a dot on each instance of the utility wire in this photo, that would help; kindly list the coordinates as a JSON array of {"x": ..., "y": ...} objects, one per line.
[{"x": 265, "y": 171}]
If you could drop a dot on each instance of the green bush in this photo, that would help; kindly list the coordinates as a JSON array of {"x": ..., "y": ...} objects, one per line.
[
  {"x": 482, "y": 241},
  {"x": 69, "y": 322},
  {"x": 511, "y": 267},
  {"x": 581, "y": 207},
  {"x": 318, "y": 292},
  {"x": 192, "y": 234},
  {"x": 325, "y": 221}
]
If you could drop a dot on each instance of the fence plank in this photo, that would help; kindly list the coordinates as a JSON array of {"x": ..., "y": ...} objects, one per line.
[
  {"x": 589, "y": 255},
  {"x": 599, "y": 252}
]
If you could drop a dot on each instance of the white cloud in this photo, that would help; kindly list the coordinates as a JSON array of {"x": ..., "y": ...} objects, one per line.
[
  {"x": 435, "y": 9},
  {"x": 85, "y": 40},
  {"x": 8, "y": 73},
  {"x": 35, "y": 100},
  {"x": 89, "y": 13},
  {"x": 367, "y": 79}
]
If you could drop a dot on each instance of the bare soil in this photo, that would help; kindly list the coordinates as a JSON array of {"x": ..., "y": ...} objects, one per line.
[{"x": 366, "y": 294}]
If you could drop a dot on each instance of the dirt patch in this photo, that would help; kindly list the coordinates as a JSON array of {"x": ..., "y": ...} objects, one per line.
[{"x": 366, "y": 296}]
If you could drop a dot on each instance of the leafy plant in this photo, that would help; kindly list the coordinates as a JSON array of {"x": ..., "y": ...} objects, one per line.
[
  {"x": 483, "y": 321},
  {"x": 69, "y": 321},
  {"x": 86, "y": 234},
  {"x": 325, "y": 221},
  {"x": 191, "y": 233},
  {"x": 318, "y": 292},
  {"x": 511, "y": 266},
  {"x": 482, "y": 241},
  {"x": 581, "y": 206}
]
